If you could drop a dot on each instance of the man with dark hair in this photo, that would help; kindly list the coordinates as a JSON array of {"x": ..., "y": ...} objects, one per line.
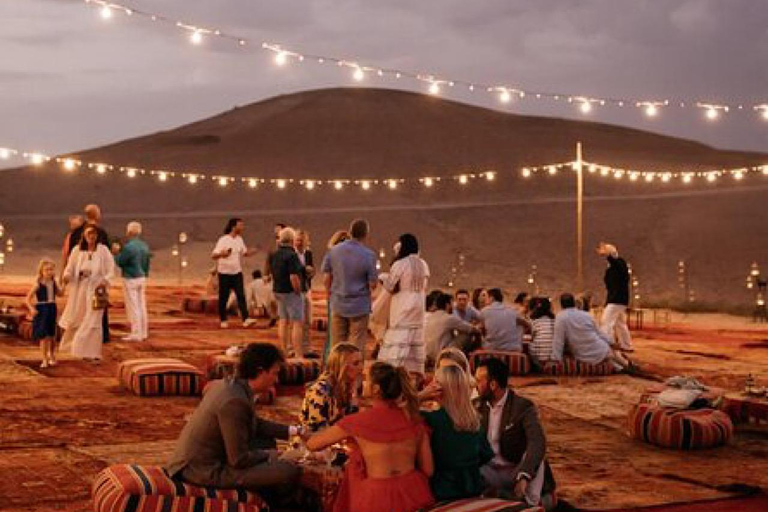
[
  {"x": 228, "y": 254},
  {"x": 349, "y": 271},
  {"x": 519, "y": 468},
  {"x": 442, "y": 329},
  {"x": 576, "y": 330},
  {"x": 225, "y": 444},
  {"x": 500, "y": 322},
  {"x": 463, "y": 308}
]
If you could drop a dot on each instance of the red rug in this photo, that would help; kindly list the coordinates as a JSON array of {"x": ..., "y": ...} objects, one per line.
[{"x": 757, "y": 503}]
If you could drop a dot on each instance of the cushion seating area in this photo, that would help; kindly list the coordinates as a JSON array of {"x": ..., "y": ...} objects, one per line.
[
  {"x": 484, "y": 505},
  {"x": 681, "y": 429},
  {"x": 160, "y": 376},
  {"x": 132, "y": 488},
  {"x": 320, "y": 324},
  {"x": 573, "y": 368},
  {"x": 746, "y": 410},
  {"x": 296, "y": 372},
  {"x": 517, "y": 362},
  {"x": 208, "y": 305}
]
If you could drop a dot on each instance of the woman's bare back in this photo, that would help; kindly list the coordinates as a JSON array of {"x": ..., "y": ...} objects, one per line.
[{"x": 385, "y": 460}]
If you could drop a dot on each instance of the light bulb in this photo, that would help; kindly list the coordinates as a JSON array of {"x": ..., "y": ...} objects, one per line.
[
  {"x": 711, "y": 177},
  {"x": 196, "y": 37},
  {"x": 337, "y": 185},
  {"x": 586, "y": 107},
  {"x": 428, "y": 182},
  {"x": 106, "y": 12},
  {"x": 463, "y": 179},
  {"x": 504, "y": 97},
  {"x": 434, "y": 88},
  {"x": 131, "y": 173},
  {"x": 526, "y": 173},
  {"x": 310, "y": 184},
  {"x": 365, "y": 184},
  {"x": 5, "y": 154},
  {"x": 651, "y": 110},
  {"x": 223, "y": 181},
  {"x": 665, "y": 178},
  {"x": 69, "y": 164},
  {"x": 765, "y": 113},
  {"x": 687, "y": 178},
  {"x": 281, "y": 184},
  {"x": 633, "y": 176},
  {"x": 358, "y": 75},
  {"x": 163, "y": 176},
  {"x": 252, "y": 183},
  {"x": 649, "y": 177},
  {"x": 281, "y": 58},
  {"x": 490, "y": 175},
  {"x": 712, "y": 114},
  {"x": 36, "y": 159},
  {"x": 738, "y": 175},
  {"x": 101, "y": 168},
  {"x": 392, "y": 185},
  {"x": 182, "y": 238},
  {"x": 552, "y": 170},
  {"x": 192, "y": 179}
]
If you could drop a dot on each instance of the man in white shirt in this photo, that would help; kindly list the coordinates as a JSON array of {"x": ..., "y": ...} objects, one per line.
[{"x": 228, "y": 254}]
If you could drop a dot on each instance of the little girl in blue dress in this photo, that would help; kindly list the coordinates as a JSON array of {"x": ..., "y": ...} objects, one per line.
[{"x": 41, "y": 301}]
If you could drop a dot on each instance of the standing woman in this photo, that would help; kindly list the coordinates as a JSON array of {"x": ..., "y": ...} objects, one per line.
[
  {"x": 89, "y": 271},
  {"x": 403, "y": 344}
]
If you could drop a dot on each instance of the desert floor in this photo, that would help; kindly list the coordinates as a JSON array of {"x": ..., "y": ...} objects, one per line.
[{"x": 60, "y": 426}]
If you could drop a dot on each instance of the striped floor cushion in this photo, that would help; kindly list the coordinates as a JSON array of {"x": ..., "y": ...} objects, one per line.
[
  {"x": 680, "y": 429},
  {"x": 320, "y": 324},
  {"x": 132, "y": 488},
  {"x": 295, "y": 372},
  {"x": 573, "y": 368},
  {"x": 517, "y": 362},
  {"x": 484, "y": 505},
  {"x": 160, "y": 376}
]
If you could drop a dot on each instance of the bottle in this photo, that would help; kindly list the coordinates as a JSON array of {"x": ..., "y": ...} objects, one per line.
[{"x": 749, "y": 385}]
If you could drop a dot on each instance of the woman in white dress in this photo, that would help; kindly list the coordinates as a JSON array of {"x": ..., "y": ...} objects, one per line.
[
  {"x": 89, "y": 267},
  {"x": 403, "y": 343}
]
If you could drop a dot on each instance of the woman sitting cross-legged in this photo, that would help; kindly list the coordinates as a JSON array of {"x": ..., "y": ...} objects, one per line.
[
  {"x": 459, "y": 446},
  {"x": 333, "y": 395},
  {"x": 390, "y": 459}
]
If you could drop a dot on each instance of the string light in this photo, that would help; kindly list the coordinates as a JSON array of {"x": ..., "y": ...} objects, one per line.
[
  {"x": 392, "y": 184},
  {"x": 490, "y": 175},
  {"x": 162, "y": 176},
  {"x": 463, "y": 179},
  {"x": 310, "y": 184},
  {"x": 102, "y": 169},
  {"x": 253, "y": 183},
  {"x": 526, "y": 172},
  {"x": 428, "y": 182},
  {"x": 365, "y": 184},
  {"x": 69, "y": 164},
  {"x": 131, "y": 173},
  {"x": 337, "y": 185},
  {"x": 192, "y": 179},
  {"x": 223, "y": 182},
  {"x": 6, "y": 153},
  {"x": 505, "y": 92},
  {"x": 281, "y": 184},
  {"x": 434, "y": 88}
]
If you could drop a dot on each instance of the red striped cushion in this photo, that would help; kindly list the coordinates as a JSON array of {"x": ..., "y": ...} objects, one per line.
[
  {"x": 680, "y": 429},
  {"x": 206, "y": 304},
  {"x": 320, "y": 324},
  {"x": 484, "y": 505},
  {"x": 517, "y": 362},
  {"x": 571, "y": 367},
  {"x": 132, "y": 488},
  {"x": 295, "y": 372},
  {"x": 159, "y": 376}
]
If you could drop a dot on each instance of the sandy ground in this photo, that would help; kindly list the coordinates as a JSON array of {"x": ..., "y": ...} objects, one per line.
[{"x": 60, "y": 426}]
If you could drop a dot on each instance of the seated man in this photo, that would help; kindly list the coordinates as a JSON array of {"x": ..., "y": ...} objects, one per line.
[
  {"x": 223, "y": 443},
  {"x": 501, "y": 322},
  {"x": 444, "y": 330},
  {"x": 577, "y": 331},
  {"x": 519, "y": 468},
  {"x": 463, "y": 308}
]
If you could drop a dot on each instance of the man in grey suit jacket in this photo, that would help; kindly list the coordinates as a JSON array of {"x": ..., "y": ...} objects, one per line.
[
  {"x": 225, "y": 444},
  {"x": 519, "y": 467}
]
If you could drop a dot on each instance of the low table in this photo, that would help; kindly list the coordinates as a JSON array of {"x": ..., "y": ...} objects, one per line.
[{"x": 745, "y": 409}]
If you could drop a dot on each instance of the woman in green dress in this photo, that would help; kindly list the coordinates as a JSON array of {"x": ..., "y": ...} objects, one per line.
[{"x": 459, "y": 446}]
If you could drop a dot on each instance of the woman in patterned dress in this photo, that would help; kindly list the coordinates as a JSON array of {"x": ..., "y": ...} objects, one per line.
[{"x": 333, "y": 395}]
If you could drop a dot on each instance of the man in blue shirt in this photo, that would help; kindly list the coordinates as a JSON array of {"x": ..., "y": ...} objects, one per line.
[
  {"x": 463, "y": 309},
  {"x": 133, "y": 260},
  {"x": 350, "y": 274},
  {"x": 500, "y": 322}
]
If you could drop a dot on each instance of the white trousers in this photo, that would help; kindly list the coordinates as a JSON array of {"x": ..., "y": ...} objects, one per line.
[
  {"x": 614, "y": 324},
  {"x": 136, "y": 306}
]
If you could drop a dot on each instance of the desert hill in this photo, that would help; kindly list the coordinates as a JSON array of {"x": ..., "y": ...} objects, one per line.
[{"x": 501, "y": 227}]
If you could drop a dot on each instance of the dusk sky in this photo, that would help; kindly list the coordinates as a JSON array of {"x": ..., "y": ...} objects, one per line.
[{"x": 70, "y": 80}]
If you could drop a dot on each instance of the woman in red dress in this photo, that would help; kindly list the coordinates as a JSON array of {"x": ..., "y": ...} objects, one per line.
[{"x": 390, "y": 460}]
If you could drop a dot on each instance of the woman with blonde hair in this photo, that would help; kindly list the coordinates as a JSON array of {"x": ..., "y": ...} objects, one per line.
[
  {"x": 459, "y": 445},
  {"x": 390, "y": 460},
  {"x": 333, "y": 395}
]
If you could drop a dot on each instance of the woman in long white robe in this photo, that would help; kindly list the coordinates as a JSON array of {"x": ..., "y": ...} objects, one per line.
[
  {"x": 403, "y": 343},
  {"x": 89, "y": 266}
]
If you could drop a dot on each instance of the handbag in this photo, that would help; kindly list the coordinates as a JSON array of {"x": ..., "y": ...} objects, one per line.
[{"x": 100, "y": 298}]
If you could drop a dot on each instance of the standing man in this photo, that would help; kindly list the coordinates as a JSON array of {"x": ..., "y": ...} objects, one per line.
[
  {"x": 519, "y": 467},
  {"x": 286, "y": 284},
  {"x": 228, "y": 254},
  {"x": 614, "y": 321},
  {"x": 350, "y": 275},
  {"x": 301, "y": 244},
  {"x": 133, "y": 260}
]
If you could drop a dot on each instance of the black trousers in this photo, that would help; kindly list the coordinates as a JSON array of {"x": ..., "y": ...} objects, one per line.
[
  {"x": 227, "y": 283},
  {"x": 105, "y": 326}
]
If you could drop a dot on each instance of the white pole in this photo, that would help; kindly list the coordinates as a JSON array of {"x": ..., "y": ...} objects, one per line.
[{"x": 579, "y": 220}]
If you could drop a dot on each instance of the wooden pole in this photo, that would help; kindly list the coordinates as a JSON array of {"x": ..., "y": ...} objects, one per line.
[{"x": 579, "y": 220}]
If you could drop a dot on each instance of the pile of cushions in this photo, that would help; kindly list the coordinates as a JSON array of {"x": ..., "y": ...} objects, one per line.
[
  {"x": 132, "y": 488},
  {"x": 297, "y": 372},
  {"x": 517, "y": 362},
  {"x": 681, "y": 429},
  {"x": 160, "y": 377},
  {"x": 573, "y": 368}
]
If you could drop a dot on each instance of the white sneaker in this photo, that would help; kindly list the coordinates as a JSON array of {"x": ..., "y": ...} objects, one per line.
[
  {"x": 249, "y": 322},
  {"x": 130, "y": 338},
  {"x": 224, "y": 325}
]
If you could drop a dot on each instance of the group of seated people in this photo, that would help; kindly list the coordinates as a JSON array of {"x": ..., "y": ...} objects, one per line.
[
  {"x": 486, "y": 322},
  {"x": 407, "y": 450}
]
